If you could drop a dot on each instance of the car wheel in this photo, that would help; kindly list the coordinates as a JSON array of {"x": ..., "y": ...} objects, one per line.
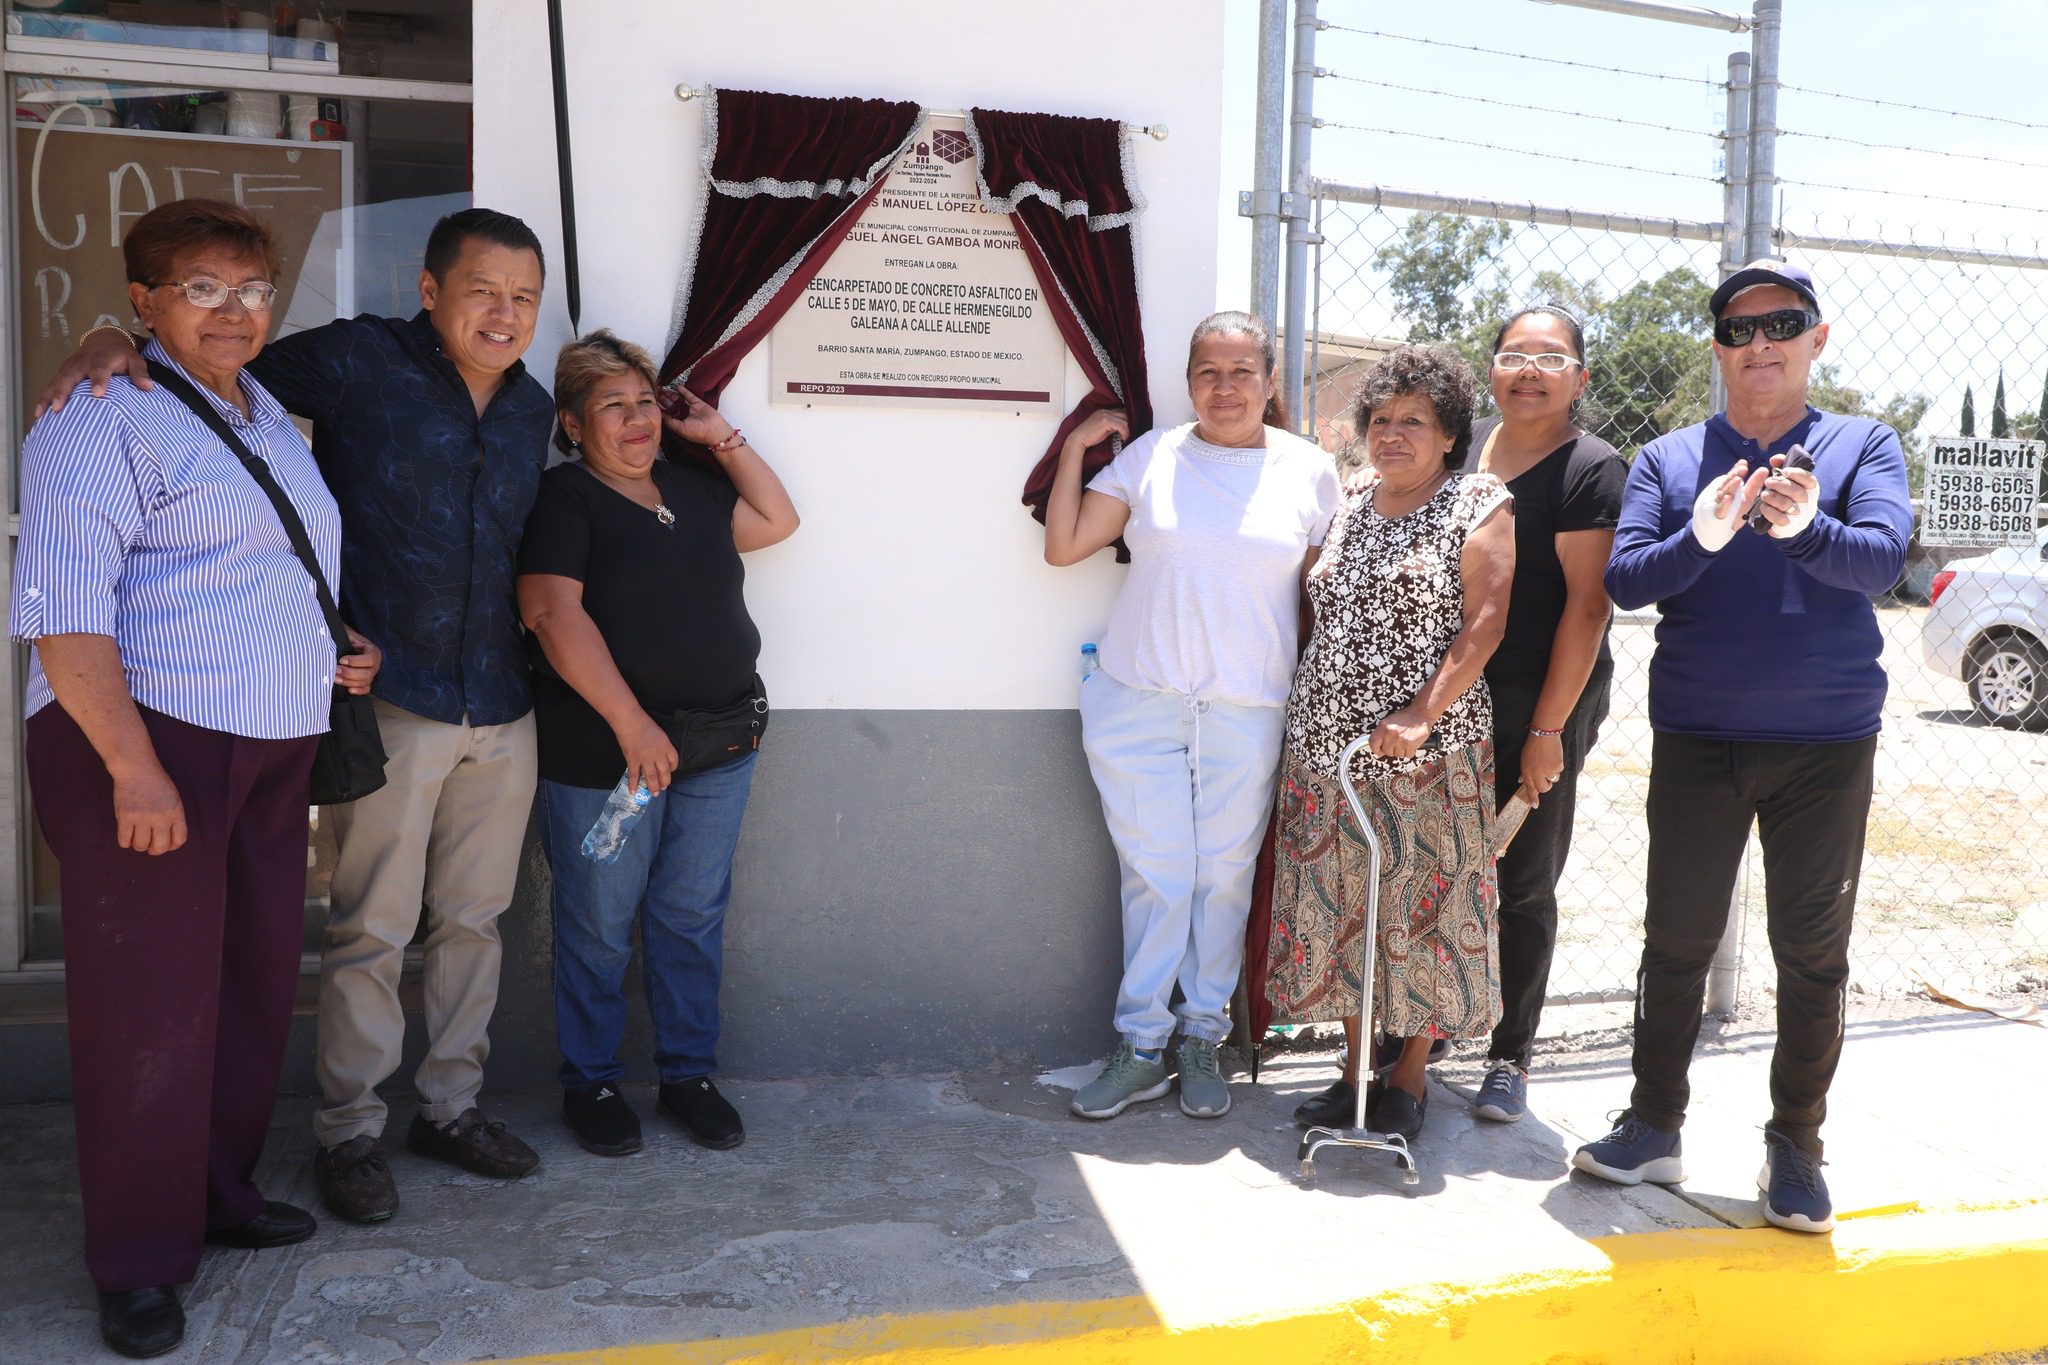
[{"x": 2009, "y": 681}]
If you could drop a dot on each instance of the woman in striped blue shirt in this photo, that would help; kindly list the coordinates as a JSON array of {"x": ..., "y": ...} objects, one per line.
[{"x": 181, "y": 675}]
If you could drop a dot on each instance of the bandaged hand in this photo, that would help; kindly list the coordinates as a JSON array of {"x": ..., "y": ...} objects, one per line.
[
  {"x": 1789, "y": 500},
  {"x": 1718, "y": 511}
]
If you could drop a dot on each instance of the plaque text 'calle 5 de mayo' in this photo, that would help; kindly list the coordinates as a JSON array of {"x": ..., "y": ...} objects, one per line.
[{"x": 929, "y": 302}]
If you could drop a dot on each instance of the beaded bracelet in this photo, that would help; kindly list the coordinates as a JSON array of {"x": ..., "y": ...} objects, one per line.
[
  {"x": 732, "y": 442},
  {"x": 1546, "y": 734}
]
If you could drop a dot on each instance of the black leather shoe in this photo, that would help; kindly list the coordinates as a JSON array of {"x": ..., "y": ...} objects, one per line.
[
  {"x": 140, "y": 1323},
  {"x": 707, "y": 1116},
  {"x": 604, "y": 1124},
  {"x": 279, "y": 1225}
]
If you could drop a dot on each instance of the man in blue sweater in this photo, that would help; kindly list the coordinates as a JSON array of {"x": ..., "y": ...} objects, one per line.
[{"x": 1765, "y": 696}]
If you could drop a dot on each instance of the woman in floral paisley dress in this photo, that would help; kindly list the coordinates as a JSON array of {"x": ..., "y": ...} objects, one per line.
[{"x": 1410, "y": 598}]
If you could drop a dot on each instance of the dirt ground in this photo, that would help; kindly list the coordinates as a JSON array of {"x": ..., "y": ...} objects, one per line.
[{"x": 1955, "y": 877}]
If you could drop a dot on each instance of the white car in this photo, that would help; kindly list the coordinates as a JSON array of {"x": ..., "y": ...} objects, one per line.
[{"x": 1988, "y": 625}]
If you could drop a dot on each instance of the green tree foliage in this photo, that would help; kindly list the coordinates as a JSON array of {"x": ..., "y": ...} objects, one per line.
[
  {"x": 1648, "y": 346},
  {"x": 1446, "y": 281},
  {"x": 1650, "y": 360},
  {"x": 1902, "y": 413},
  {"x": 2000, "y": 428},
  {"x": 1968, "y": 426}
]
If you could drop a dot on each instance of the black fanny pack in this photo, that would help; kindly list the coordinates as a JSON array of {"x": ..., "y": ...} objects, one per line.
[{"x": 711, "y": 739}]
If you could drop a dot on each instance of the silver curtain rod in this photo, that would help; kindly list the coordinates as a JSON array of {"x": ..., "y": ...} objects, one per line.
[{"x": 1155, "y": 131}]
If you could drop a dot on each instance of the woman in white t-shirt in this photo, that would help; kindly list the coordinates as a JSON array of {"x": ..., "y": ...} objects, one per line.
[{"x": 1183, "y": 722}]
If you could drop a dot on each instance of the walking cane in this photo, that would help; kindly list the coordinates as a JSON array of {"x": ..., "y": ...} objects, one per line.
[{"x": 1358, "y": 1135}]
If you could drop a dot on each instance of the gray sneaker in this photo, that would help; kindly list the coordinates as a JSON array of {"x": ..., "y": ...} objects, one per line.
[
  {"x": 1203, "y": 1091},
  {"x": 1125, "y": 1080}
]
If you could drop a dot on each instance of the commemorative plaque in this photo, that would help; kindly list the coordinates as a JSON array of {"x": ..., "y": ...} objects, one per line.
[{"x": 928, "y": 303}]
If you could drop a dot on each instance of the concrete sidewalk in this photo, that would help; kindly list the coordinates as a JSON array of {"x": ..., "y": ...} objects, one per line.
[{"x": 943, "y": 1217}]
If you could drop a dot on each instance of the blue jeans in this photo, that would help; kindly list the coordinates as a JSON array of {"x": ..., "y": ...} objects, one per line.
[
  {"x": 1187, "y": 789},
  {"x": 675, "y": 877}
]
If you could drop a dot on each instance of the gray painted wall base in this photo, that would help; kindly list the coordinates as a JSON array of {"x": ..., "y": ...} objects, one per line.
[{"x": 915, "y": 891}]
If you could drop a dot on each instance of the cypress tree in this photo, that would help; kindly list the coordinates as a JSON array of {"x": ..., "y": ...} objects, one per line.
[
  {"x": 1969, "y": 423},
  {"x": 2000, "y": 428}
]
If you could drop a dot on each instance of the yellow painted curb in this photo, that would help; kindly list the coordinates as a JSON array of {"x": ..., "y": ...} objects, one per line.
[{"x": 1881, "y": 1290}]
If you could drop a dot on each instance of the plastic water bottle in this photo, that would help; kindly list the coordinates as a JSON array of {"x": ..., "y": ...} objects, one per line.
[
  {"x": 622, "y": 810},
  {"x": 1089, "y": 661}
]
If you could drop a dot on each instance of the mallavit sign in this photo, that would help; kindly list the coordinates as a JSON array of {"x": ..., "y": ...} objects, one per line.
[
  {"x": 1980, "y": 492},
  {"x": 928, "y": 302}
]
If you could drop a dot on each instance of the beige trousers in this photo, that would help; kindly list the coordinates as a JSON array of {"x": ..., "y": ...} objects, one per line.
[{"x": 447, "y": 830}]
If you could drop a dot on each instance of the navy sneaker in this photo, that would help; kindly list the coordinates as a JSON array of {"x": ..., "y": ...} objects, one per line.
[
  {"x": 1504, "y": 1094},
  {"x": 1795, "y": 1194},
  {"x": 1632, "y": 1153}
]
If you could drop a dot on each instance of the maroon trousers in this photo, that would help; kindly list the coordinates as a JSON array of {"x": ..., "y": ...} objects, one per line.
[{"x": 180, "y": 972}]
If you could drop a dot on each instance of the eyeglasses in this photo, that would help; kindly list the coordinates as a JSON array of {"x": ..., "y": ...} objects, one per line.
[
  {"x": 1782, "y": 325},
  {"x": 256, "y": 295},
  {"x": 1550, "y": 362}
]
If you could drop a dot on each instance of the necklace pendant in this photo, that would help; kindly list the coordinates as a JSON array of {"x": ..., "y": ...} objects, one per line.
[{"x": 663, "y": 515}]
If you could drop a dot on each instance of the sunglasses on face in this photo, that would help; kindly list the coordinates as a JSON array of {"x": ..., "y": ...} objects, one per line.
[
  {"x": 256, "y": 295},
  {"x": 1782, "y": 325},
  {"x": 1550, "y": 362}
]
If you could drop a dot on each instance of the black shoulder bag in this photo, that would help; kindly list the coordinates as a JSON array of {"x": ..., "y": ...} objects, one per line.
[{"x": 350, "y": 760}]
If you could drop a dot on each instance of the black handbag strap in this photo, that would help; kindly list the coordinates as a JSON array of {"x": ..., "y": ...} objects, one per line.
[{"x": 294, "y": 529}]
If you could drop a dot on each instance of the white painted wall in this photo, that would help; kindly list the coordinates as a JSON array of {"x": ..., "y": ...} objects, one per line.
[{"x": 917, "y": 580}]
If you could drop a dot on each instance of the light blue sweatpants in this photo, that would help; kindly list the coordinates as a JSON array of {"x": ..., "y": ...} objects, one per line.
[{"x": 1187, "y": 787}]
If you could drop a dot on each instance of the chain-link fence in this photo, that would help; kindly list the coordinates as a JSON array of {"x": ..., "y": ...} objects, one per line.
[{"x": 1955, "y": 882}]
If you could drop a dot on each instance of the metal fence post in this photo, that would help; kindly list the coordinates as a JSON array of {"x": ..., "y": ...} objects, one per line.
[
  {"x": 1301, "y": 126},
  {"x": 1725, "y": 974},
  {"x": 1763, "y": 129},
  {"x": 1268, "y": 155}
]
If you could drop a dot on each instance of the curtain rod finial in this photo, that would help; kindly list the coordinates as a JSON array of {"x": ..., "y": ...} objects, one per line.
[
  {"x": 687, "y": 93},
  {"x": 1157, "y": 132}
]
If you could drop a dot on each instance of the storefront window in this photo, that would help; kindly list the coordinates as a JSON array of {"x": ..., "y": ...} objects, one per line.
[
  {"x": 350, "y": 183},
  {"x": 420, "y": 40}
]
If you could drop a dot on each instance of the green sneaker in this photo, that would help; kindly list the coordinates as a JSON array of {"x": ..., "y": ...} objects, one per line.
[
  {"x": 1203, "y": 1091},
  {"x": 1126, "y": 1079}
]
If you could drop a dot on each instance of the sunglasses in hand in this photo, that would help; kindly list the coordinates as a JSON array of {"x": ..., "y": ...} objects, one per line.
[{"x": 1782, "y": 325}]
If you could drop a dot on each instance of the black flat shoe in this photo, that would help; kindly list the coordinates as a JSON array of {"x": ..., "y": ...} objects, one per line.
[
  {"x": 140, "y": 1323},
  {"x": 279, "y": 1225},
  {"x": 1331, "y": 1109},
  {"x": 1400, "y": 1113},
  {"x": 707, "y": 1116}
]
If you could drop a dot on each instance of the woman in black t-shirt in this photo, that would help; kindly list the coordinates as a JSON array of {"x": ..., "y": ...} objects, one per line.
[
  {"x": 1550, "y": 676},
  {"x": 631, "y": 584}
]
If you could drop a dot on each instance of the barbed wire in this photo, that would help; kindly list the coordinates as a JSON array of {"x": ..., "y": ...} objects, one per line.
[
  {"x": 1691, "y": 80},
  {"x": 1920, "y": 151},
  {"x": 1526, "y": 152},
  {"x": 1527, "y": 108},
  {"x": 1913, "y": 108},
  {"x": 1527, "y": 56},
  {"x": 1911, "y": 194}
]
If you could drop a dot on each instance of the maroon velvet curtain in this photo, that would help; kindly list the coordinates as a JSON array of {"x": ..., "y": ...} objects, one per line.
[
  {"x": 785, "y": 178},
  {"x": 1062, "y": 180}
]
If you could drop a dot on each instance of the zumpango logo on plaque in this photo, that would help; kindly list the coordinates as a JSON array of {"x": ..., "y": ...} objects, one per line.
[{"x": 928, "y": 303}]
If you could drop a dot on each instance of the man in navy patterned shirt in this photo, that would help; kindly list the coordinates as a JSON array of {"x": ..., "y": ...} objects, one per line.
[{"x": 432, "y": 437}]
